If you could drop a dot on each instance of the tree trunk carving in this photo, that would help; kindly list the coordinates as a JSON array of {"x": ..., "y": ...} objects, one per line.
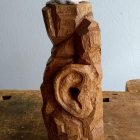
[{"x": 71, "y": 88}]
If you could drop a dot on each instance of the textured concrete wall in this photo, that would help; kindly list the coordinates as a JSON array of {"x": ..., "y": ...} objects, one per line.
[{"x": 25, "y": 47}]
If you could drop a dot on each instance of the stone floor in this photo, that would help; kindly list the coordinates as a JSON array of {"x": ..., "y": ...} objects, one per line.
[{"x": 20, "y": 116}]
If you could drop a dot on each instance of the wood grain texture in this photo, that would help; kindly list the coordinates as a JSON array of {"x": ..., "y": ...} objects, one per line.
[
  {"x": 122, "y": 115},
  {"x": 71, "y": 89},
  {"x": 21, "y": 119},
  {"x": 20, "y": 116},
  {"x": 133, "y": 85}
]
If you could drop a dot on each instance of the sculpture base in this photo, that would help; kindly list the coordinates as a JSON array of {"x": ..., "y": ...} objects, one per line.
[{"x": 21, "y": 116}]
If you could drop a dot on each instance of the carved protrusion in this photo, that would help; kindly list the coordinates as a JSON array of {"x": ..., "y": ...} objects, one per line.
[{"x": 73, "y": 90}]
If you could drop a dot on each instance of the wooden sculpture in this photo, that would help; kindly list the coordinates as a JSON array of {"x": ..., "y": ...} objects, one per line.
[{"x": 71, "y": 88}]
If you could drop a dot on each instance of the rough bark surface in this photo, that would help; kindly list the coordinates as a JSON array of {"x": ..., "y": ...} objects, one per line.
[{"x": 71, "y": 89}]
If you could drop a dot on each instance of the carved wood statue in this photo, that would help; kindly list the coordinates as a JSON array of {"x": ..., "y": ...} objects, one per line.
[{"x": 71, "y": 88}]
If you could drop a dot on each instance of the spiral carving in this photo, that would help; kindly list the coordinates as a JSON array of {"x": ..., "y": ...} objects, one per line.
[{"x": 73, "y": 89}]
